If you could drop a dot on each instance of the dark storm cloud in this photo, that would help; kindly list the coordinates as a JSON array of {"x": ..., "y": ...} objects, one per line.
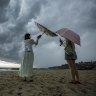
[
  {"x": 3, "y": 10},
  {"x": 22, "y": 21},
  {"x": 14, "y": 8},
  {"x": 11, "y": 38},
  {"x": 8, "y": 52},
  {"x": 92, "y": 22},
  {"x": 89, "y": 15},
  {"x": 16, "y": 18}
]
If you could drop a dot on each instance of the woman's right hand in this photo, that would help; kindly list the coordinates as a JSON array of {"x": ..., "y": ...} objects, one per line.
[{"x": 39, "y": 37}]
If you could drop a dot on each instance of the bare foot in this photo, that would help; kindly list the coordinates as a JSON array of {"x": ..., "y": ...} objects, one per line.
[{"x": 31, "y": 81}]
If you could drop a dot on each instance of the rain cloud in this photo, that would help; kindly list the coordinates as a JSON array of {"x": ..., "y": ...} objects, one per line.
[{"x": 17, "y": 17}]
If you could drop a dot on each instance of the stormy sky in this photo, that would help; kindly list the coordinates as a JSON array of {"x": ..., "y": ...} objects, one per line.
[{"x": 17, "y": 18}]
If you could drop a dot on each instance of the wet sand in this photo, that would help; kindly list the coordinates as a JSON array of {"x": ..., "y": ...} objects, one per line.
[{"x": 48, "y": 83}]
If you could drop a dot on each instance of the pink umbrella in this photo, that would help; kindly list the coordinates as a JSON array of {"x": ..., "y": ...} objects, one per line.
[{"x": 69, "y": 34}]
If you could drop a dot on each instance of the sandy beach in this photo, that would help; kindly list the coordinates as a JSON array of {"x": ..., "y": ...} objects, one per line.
[{"x": 48, "y": 83}]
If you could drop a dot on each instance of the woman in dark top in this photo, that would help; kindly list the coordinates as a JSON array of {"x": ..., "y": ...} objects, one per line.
[{"x": 70, "y": 57}]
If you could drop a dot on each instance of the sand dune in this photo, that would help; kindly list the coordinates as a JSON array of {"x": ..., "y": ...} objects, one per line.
[{"x": 48, "y": 83}]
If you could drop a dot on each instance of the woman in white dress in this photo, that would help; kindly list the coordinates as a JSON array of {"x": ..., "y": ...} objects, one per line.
[{"x": 26, "y": 69}]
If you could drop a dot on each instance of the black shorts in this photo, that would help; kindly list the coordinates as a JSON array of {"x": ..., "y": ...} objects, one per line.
[{"x": 70, "y": 57}]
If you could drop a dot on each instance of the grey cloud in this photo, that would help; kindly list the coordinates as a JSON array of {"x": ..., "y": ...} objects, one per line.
[
  {"x": 92, "y": 22},
  {"x": 4, "y": 3},
  {"x": 3, "y": 10},
  {"x": 14, "y": 35},
  {"x": 14, "y": 8},
  {"x": 54, "y": 14}
]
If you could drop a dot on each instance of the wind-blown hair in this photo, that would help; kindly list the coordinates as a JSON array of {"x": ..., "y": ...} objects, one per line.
[{"x": 27, "y": 36}]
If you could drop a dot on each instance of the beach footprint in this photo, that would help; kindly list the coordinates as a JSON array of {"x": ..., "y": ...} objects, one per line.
[
  {"x": 61, "y": 80},
  {"x": 19, "y": 93},
  {"x": 20, "y": 88}
]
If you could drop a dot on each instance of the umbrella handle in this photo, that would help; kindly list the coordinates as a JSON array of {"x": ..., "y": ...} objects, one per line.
[{"x": 42, "y": 34}]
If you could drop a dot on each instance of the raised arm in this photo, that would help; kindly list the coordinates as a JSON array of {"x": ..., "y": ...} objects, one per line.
[
  {"x": 61, "y": 42},
  {"x": 36, "y": 42}
]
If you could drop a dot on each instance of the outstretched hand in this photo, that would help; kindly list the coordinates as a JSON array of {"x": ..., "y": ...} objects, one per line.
[{"x": 39, "y": 37}]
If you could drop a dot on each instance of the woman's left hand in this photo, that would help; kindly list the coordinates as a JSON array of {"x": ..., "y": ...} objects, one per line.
[
  {"x": 39, "y": 37},
  {"x": 61, "y": 42}
]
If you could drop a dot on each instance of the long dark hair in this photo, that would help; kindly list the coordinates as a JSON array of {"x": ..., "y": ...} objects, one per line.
[{"x": 27, "y": 36}]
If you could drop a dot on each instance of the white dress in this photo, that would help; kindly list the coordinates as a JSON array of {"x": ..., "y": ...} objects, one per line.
[{"x": 26, "y": 69}]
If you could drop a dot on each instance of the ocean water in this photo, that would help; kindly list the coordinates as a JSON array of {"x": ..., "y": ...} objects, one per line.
[{"x": 8, "y": 69}]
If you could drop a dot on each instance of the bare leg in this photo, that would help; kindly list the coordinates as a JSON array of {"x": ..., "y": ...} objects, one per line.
[
  {"x": 31, "y": 79},
  {"x": 24, "y": 78},
  {"x": 72, "y": 69},
  {"x": 76, "y": 71}
]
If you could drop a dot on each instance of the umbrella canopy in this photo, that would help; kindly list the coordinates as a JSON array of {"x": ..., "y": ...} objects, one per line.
[
  {"x": 45, "y": 30},
  {"x": 69, "y": 34}
]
